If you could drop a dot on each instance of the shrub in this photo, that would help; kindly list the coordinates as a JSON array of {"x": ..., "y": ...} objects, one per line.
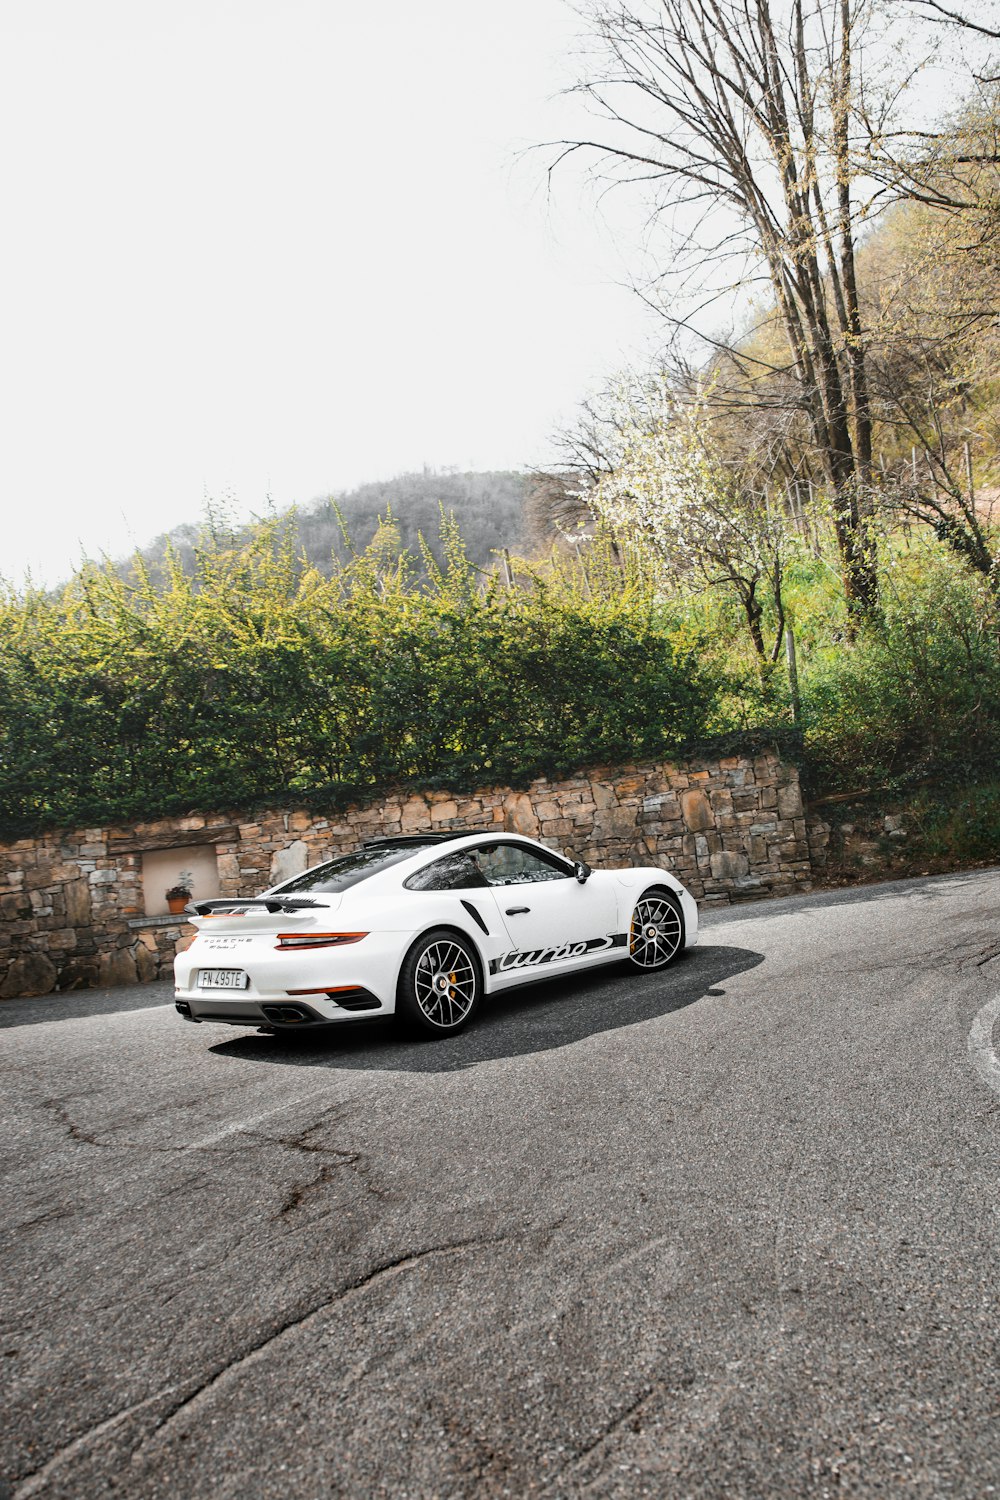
[
  {"x": 258, "y": 679},
  {"x": 915, "y": 698}
]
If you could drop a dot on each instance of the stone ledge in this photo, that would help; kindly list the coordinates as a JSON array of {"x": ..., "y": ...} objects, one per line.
[
  {"x": 169, "y": 921},
  {"x": 175, "y": 838}
]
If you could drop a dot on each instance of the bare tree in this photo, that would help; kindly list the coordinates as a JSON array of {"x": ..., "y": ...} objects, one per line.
[
  {"x": 739, "y": 116},
  {"x": 967, "y": 18}
]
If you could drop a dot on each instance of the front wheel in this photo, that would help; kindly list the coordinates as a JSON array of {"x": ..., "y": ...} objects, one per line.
[
  {"x": 656, "y": 932},
  {"x": 439, "y": 985}
]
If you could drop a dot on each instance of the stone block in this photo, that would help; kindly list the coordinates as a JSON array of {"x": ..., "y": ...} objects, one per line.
[
  {"x": 444, "y": 812},
  {"x": 34, "y": 974},
  {"x": 519, "y": 815},
  {"x": 789, "y": 801},
  {"x": 663, "y": 804},
  {"x": 293, "y": 860},
  {"x": 696, "y": 810},
  {"x": 63, "y": 939},
  {"x": 558, "y": 828},
  {"x": 615, "y": 823},
  {"x": 79, "y": 973},
  {"x": 50, "y": 874},
  {"x": 117, "y": 967},
  {"x": 726, "y": 865},
  {"x": 546, "y": 811},
  {"x": 415, "y": 816},
  {"x": 146, "y": 964}
]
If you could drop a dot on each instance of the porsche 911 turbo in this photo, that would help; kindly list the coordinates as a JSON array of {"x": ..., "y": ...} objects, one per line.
[{"x": 423, "y": 926}]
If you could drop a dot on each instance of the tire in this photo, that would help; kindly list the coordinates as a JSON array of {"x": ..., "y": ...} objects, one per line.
[
  {"x": 656, "y": 931},
  {"x": 440, "y": 984}
]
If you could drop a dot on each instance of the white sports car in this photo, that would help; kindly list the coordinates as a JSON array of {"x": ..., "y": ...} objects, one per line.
[{"x": 423, "y": 926}]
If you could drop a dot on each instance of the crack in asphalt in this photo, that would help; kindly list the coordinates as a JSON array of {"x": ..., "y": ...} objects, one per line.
[
  {"x": 337, "y": 1158},
  {"x": 966, "y": 952},
  {"x": 30, "y": 1484},
  {"x": 362, "y": 1283},
  {"x": 73, "y": 1130},
  {"x": 607, "y": 1432},
  {"x": 297, "y": 1142}
]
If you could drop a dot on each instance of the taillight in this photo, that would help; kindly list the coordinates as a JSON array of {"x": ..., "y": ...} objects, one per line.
[{"x": 296, "y": 941}]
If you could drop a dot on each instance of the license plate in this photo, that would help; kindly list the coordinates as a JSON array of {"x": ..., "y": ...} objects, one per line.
[{"x": 223, "y": 979}]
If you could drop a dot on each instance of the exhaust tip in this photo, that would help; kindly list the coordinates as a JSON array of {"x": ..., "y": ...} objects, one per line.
[{"x": 287, "y": 1015}]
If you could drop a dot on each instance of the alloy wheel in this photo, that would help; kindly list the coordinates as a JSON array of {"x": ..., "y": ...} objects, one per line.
[
  {"x": 656, "y": 932},
  {"x": 444, "y": 983}
]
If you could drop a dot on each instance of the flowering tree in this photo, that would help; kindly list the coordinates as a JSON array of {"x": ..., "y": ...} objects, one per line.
[{"x": 669, "y": 494}]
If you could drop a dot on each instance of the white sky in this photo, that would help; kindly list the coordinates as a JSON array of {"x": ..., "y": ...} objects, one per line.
[{"x": 280, "y": 247}]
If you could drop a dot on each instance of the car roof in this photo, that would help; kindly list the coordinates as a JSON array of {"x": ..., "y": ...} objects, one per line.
[
  {"x": 427, "y": 844},
  {"x": 401, "y": 840},
  {"x": 417, "y": 849}
]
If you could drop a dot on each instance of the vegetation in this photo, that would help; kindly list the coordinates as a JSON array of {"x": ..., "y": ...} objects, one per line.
[{"x": 257, "y": 678}]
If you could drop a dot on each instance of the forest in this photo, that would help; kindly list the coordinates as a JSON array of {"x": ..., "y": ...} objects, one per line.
[{"x": 786, "y": 528}]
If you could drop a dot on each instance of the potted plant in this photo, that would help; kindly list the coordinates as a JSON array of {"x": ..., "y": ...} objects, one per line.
[{"x": 179, "y": 893}]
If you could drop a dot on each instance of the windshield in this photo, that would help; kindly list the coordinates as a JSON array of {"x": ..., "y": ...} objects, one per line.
[{"x": 340, "y": 874}]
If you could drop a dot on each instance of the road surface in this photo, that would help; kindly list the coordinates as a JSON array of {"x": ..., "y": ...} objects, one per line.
[{"x": 731, "y": 1230}]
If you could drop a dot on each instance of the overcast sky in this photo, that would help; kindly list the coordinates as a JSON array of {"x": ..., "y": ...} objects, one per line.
[{"x": 279, "y": 247}]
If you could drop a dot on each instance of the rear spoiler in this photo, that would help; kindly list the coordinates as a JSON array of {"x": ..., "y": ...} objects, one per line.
[{"x": 269, "y": 903}]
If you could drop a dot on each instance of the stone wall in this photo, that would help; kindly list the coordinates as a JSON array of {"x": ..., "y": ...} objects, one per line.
[{"x": 72, "y": 906}]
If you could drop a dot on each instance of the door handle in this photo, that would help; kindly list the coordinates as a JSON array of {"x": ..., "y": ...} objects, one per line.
[{"x": 516, "y": 911}]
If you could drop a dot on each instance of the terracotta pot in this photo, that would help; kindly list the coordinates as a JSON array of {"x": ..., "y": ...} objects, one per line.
[{"x": 177, "y": 903}]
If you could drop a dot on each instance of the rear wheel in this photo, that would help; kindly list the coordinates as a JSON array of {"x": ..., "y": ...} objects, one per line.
[
  {"x": 439, "y": 985},
  {"x": 656, "y": 932}
]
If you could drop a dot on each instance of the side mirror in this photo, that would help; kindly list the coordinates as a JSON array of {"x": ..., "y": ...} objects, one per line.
[{"x": 582, "y": 871}]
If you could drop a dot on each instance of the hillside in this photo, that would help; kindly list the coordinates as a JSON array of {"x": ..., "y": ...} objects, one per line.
[{"x": 489, "y": 507}]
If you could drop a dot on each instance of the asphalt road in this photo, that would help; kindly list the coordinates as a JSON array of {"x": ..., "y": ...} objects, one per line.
[{"x": 727, "y": 1231}]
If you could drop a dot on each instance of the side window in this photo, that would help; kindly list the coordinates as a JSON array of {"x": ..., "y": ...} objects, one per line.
[
  {"x": 512, "y": 864},
  {"x": 455, "y": 872}
]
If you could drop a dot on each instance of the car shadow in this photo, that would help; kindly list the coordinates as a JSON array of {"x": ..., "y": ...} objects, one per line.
[{"x": 538, "y": 1018}]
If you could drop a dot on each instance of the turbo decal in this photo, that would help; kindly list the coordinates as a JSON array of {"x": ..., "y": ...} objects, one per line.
[{"x": 507, "y": 962}]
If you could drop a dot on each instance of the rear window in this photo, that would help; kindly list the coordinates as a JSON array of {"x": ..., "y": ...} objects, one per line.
[{"x": 340, "y": 874}]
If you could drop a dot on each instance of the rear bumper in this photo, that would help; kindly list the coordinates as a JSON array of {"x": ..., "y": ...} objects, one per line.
[
  {"x": 326, "y": 984},
  {"x": 277, "y": 1014}
]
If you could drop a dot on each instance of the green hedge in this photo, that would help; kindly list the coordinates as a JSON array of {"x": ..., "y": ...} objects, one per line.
[{"x": 258, "y": 679}]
